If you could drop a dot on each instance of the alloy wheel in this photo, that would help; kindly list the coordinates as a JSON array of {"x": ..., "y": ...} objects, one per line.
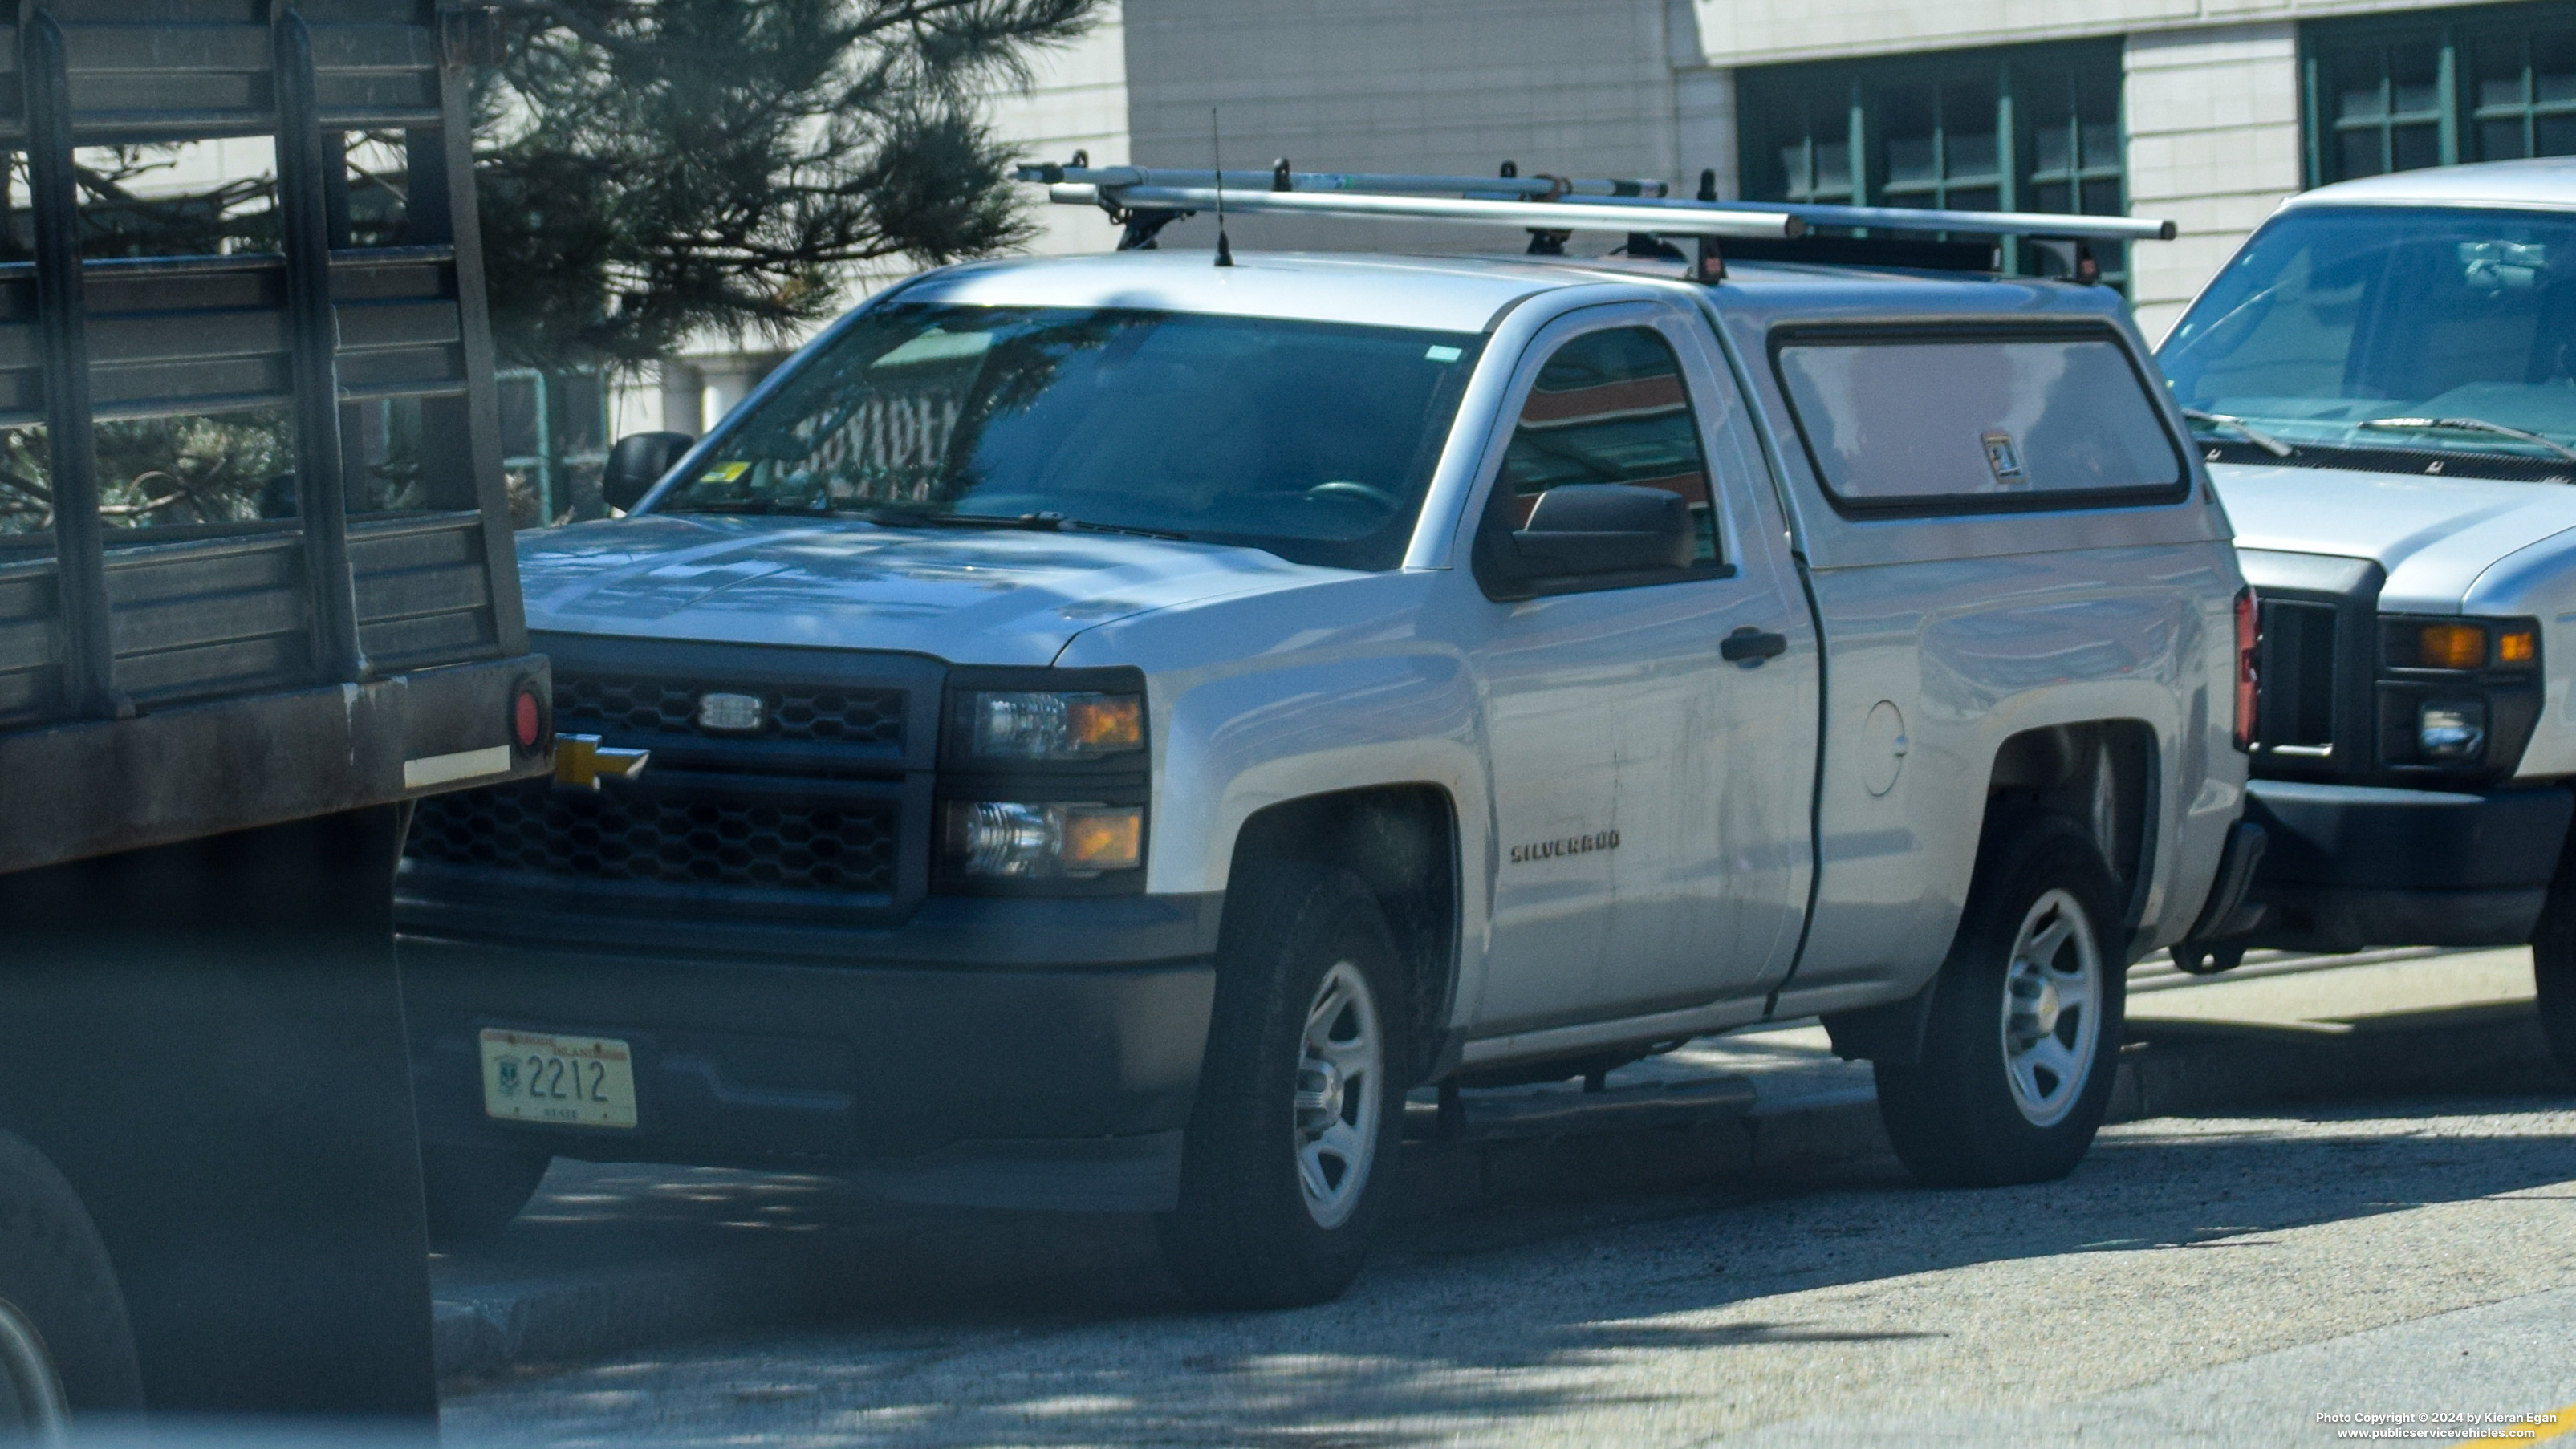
[
  {"x": 1341, "y": 1077},
  {"x": 2052, "y": 1018}
]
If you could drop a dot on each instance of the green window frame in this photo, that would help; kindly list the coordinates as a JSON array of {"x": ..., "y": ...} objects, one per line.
[
  {"x": 2027, "y": 128},
  {"x": 2438, "y": 88},
  {"x": 554, "y": 441}
]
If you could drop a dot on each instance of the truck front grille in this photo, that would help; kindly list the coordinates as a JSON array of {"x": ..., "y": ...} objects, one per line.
[
  {"x": 610, "y": 704},
  {"x": 635, "y": 833},
  {"x": 2296, "y": 672}
]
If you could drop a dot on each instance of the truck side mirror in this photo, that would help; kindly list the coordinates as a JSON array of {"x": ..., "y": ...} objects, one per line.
[
  {"x": 1584, "y": 530},
  {"x": 637, "y": 463}
]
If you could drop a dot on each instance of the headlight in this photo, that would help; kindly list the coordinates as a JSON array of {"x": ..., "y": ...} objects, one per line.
[
  {"x": 1054, "y": 725},
  {"x": 2450, "y": 646},
  {"x": 1009, "y": 840},
  {"x": 2460, "y": 645}
]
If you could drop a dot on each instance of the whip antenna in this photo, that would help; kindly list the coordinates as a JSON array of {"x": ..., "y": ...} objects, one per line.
[{"x": 1216, "y": 150}]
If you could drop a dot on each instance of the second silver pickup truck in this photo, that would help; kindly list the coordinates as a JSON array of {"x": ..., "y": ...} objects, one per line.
[
  {"x": 1119, "y": 722},
  {"x": 2383, "y": 382}
]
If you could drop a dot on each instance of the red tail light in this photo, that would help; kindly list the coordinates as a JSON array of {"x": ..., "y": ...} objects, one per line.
[
  {"x": 527, "y": 720},
  {"x": 2249, "y": 698}
]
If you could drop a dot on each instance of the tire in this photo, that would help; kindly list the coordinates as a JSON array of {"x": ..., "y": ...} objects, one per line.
[
  {"x": 1300, "y": 1107},
  {"x": 2553, "y": 966},
  {"x": 474, "y": 1192},
  {"x": 66, "y": 1350},
  {"x": 2023, "y": 1034}
]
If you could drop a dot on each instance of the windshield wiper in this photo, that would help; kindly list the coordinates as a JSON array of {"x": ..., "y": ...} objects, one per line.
[
  {"x": 2243, "y": 429},
  {"x": 1034, "y": 522},
  {"x": 923, "y": 518},
  {"x": 2471, "y": 425},
  {"x": 1087, "y": 526}
]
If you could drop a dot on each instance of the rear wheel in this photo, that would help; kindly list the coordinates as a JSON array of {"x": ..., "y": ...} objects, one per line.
[
  {"x": 474, "y": 1192},
  {"x": 1283, "y": 1179},
  {"x": 65, "y": 1346},
  {"x": 2024, "y": 1031}
]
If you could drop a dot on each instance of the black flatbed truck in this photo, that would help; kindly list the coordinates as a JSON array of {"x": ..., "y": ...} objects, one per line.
[{"x": 210, "y": 733}]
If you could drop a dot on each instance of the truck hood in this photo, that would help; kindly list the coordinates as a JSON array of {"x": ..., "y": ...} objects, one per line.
[
  {"x": 2433, "y": 536},
  {"x": 975, "y": 596}
]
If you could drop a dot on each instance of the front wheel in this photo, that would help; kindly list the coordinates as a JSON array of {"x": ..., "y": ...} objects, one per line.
[
  {"x": 2024, "y": 1030},
  {"x": 1283, "y": 1178}
]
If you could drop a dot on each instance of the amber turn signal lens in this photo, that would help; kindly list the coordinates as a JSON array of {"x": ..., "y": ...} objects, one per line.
[
  {"x": 1102, "y": 723},
  {"x": 2450, "y": 646},
  {"x": 1103, "y": 839},
  {"x": 2522, "y": 646}
]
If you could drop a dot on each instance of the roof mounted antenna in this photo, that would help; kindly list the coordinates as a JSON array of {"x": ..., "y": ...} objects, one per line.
[{"x": 1216, "y": 148}]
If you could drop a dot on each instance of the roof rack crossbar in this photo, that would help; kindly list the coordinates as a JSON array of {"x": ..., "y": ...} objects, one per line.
[
  {"x": 1439, "y": 198},
  {"x": 2052, "y": 224},
  {"x": 1472, "y": 211},
  {"x": 1491, "y": 188}
]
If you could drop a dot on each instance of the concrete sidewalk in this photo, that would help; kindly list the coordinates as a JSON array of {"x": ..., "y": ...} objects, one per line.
[{"x": 614, "y": 1258}]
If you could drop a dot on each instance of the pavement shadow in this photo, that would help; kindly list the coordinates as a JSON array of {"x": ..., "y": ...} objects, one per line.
[{"x": 924, "y": 1320}]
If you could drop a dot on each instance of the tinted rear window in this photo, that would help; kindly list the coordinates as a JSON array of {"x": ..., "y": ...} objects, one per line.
[{"x": 1952, "y": 423}]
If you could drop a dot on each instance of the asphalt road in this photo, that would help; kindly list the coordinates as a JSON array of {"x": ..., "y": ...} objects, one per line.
[{"x": 2216, "y": 1279}]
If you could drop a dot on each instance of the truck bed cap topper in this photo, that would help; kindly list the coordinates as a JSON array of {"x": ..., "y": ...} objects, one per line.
[{"x": 1145, "y": 200}]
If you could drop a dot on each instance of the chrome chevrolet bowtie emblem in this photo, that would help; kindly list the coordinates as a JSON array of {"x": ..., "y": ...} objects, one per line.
[{"x": 731, "y": 714}]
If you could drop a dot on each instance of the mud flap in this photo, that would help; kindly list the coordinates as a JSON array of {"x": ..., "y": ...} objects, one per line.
[
  {"x": 1890, "y": 1032},
  {"x": 207, "y": 1040},
  {"x": 2220, "y": 936}
]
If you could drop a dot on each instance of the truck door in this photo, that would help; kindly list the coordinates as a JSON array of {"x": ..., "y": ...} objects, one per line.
[{"x": 1652, "y": 743}]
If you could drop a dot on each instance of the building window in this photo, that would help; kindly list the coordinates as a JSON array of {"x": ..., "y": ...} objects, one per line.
[
  {"x": 2440, "y": 89},
  {"x": 2033, "y": 128},
  {"x": 554, "y": 442}
]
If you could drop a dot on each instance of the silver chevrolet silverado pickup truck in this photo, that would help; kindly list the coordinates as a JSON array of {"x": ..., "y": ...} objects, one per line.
[{"x": 1117, "y": 723}]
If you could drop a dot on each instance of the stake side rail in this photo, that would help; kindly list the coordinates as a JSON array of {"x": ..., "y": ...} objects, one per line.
[{"x": 127, "y": 654}]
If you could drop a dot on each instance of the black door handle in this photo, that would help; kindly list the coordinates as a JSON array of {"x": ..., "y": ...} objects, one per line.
[{"x": 1749, "y": 646}]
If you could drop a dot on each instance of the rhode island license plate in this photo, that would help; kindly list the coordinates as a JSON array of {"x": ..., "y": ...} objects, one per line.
[{"x": 571, "y": 1081}]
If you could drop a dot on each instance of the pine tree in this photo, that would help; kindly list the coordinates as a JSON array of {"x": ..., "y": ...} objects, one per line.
[{"x": 657, "y": 170}]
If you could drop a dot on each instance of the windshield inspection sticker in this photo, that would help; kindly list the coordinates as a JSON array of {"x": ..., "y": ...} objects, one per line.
[
  {"x": 724, "y": 472},
  {"x": 2004, "y": 458},
  {"x": 1444, "y": 354}
]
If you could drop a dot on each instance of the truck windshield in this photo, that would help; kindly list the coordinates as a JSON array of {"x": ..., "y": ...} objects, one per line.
[
  {"x": 2424, "y": 330},
  {"x": 1310, "y": 440}
]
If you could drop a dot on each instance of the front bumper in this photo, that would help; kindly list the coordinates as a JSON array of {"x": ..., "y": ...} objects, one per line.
[
  {"x": 2352, "y": 866},
  {"x": 990, "y": 1052}
]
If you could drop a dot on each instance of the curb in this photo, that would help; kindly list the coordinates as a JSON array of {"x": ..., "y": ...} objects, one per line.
[
  {"x": 1712, "y": 1133},
  {"x": 2189, "y": 1067}
]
